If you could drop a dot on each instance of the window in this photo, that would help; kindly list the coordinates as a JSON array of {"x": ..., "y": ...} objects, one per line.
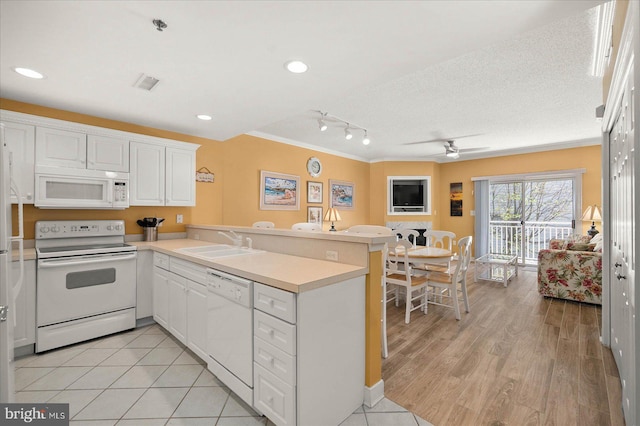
[{"x": 408, "y": 195}]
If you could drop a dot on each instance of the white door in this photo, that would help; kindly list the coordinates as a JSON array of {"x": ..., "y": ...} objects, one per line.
[
  {"x": 61, "y": 148},
  {"x": 622, "y": 246},
  {"x": 108, "y": 154},
  {"x": 147, "y": 175}
]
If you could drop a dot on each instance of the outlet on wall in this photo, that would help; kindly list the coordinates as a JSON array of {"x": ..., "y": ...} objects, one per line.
[
  {"x": 179, "y": 218},
  {"x": 331, "y": 255}
]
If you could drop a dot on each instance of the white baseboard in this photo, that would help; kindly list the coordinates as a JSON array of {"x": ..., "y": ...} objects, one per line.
[{"x": 373, "y": 394}]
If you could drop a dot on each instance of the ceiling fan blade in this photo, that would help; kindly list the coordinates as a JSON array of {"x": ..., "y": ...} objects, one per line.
[
  {"x": 443, "y": 139},
  {"x": 482, "y": 148}
]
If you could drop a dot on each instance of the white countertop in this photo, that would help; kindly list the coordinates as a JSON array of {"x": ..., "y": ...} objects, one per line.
[{"x": 286, "y": 272}]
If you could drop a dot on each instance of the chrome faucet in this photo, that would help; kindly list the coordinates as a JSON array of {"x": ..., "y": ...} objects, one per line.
[{"x": 235, "y": 238}]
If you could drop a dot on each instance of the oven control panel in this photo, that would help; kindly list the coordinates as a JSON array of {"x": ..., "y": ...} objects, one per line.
[{"x": 78, "y": 228}]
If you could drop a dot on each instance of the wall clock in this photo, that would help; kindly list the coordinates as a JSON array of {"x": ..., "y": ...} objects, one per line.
[{"x": 314, "y": 167}]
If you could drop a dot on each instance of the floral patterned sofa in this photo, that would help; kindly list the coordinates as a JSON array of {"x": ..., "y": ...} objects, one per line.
[{"x": 572, "y": 269}]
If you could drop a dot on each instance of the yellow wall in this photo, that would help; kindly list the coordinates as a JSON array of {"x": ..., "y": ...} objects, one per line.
[{"x": 245, "y": 156}]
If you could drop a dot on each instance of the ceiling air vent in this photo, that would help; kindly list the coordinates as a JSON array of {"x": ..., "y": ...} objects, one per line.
[{"x": 146, "y": 82}]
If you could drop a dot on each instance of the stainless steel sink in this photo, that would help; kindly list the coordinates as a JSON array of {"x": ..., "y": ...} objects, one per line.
[{"x": 218, "y": 250}]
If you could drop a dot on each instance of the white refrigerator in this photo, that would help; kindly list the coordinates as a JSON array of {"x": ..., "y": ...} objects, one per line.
[{"x": 9, "y": 284}]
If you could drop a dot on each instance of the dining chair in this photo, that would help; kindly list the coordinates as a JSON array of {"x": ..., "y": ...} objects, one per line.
[
  {"x": 443, "y": 286},
  {"x": 263, "y": 224},
  {"x": 399, "y": 273},
  {"x": 370, "y": 229},
  {"x": 410, "y": 235},
  {"x": 306, "y": 226},
  {"x": 440, "y": 239}
]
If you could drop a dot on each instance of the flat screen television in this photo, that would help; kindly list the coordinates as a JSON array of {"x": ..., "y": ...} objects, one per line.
[{"x": 408, "y": 195}]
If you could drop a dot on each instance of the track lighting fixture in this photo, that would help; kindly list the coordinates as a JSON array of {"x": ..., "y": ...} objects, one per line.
[
  {"x": 326, "y": 119},
  {"x": 347, "y": 133}
]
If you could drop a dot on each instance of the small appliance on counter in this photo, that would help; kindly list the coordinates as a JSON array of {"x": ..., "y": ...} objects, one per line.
[{"x": 150, "y": 227}]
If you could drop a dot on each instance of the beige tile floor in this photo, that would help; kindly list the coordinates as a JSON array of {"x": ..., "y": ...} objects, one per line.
[{"x": 145, "y": 377}]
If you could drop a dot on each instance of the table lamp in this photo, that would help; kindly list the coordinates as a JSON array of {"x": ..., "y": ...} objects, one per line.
[
  {"x": 592, "y": 214},
  {"x": 332, "y": 216}
]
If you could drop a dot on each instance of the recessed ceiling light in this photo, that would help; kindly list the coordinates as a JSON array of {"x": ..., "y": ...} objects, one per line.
[
  {"x": 28, "y": 72},
  {"x": 296, "y": 67},
  {"x": 204, "y": 117}
]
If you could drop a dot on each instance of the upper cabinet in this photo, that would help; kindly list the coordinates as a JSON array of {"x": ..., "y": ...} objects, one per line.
[
  {"x": 64, "y": 148},
  {"x": 146, "y": 180},
  {"x": 108, "y": 154},
  {"x": 161, "y": 171},
  {"x": 20, "y": 139},
  {"x": 162, "y": 176},
  {"x": 61, "y": 148}
]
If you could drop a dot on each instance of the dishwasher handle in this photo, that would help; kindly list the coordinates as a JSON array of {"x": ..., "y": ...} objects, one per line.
[{"x": 55, "y": 263}]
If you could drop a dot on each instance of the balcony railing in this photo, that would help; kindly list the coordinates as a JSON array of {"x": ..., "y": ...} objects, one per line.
[{"x": 505, "y": 237}]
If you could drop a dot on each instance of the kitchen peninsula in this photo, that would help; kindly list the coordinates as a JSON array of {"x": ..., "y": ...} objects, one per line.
[{"x": 315, "y": 328}]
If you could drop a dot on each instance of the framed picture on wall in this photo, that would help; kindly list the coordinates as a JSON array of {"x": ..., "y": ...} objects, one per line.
[
  {"x": 455, "y": 194},
  {"x": 314, "y": 215},
  {"x": 279, "y": 191},
  {"x": 342, "y": 194},
  {"x": 314, "y": 192}
]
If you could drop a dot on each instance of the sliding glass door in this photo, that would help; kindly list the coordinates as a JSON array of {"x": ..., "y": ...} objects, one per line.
[{"x": 524, "y": 215}]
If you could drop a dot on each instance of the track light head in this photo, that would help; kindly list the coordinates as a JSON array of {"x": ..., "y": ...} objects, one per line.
[
  {"x": 347, "y": 133},
  {"x": 322, "y": 125},
  {"x": 366, "y": 140}
]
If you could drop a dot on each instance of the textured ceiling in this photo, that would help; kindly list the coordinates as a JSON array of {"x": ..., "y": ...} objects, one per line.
[{"x": 512, "y": 74}]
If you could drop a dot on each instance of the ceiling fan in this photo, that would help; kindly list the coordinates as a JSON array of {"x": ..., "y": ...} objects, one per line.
[{"x": 450, "y": 149}]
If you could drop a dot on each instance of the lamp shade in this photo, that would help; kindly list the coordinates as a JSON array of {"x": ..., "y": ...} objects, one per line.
[
  {"x": 592, "y": 214},
  {"x": 332, "y": 215}
]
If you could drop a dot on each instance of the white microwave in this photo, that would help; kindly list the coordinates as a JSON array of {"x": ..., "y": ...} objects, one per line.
[{"x": 68, "y": 188}]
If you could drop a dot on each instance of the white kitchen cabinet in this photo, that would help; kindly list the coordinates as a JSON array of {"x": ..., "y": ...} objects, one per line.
[
  {"x": 161, "y": 290},
  {"x": 197, "y": 318},
  {"x": 180, "y": 177},
  {"x": 20, "y": 139},
  {"x": 144, "y": 284},
  {"x": 105, "y": 153},
  {"x": 300, "y": 357},
  {"x": 147, "y": 176},
  {"x": 178, "y": 306},
  {"x": 61, "y": 148},
  {"x": 25, "y": 308}
]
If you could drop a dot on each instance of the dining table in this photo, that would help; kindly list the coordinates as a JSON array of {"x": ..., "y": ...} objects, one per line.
[{"x": 420, "y": 255}]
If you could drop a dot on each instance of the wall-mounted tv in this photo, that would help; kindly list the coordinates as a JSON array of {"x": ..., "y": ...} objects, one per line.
[{"x": 408, "y": 195}]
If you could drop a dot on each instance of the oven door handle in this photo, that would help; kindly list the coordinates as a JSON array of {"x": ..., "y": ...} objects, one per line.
[{"x": 53, "y": 263}]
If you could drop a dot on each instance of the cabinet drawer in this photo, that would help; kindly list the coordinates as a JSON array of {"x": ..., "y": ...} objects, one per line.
[
  {"x": 193, "y": 271},
  {"x": 274, "y": 331},
  {"x": 161, "y": 260},
  {"x": 273, "y": 397},
  {"x": 274, "y": 360},
  {"x": 276, "y": 302}
]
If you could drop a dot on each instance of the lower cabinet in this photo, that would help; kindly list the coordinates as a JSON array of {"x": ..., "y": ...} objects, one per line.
[
  {"x": 197, "y": 318},
  {"x": 178, "y": 307},
  {"x": 180, "y": 300},
  {"x": 309, "y": 347},
  {"x": 25, "y": 308},
  {"x": 144, "y": 284},
  {"x": 160, "y": 294}
]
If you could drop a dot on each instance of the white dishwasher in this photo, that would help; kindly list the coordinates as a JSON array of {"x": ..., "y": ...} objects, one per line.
[{"x": 230, "y": 331}]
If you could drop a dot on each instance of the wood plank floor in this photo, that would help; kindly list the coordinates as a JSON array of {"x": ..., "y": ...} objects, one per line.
[{"x": 515, "y": 359}]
